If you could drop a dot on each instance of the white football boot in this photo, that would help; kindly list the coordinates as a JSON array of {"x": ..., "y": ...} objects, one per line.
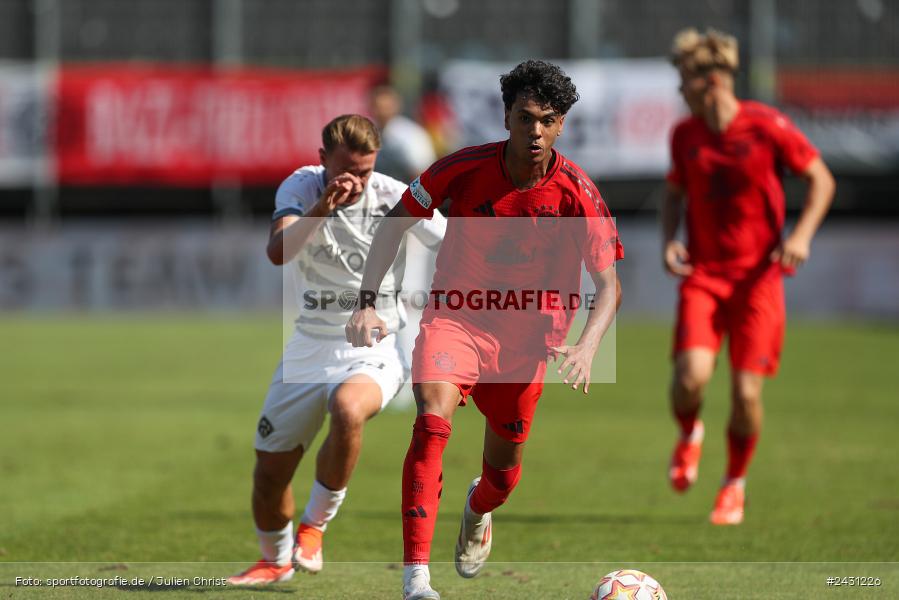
[
  {"x": 475, "y": 538},
  {"x": 417, "y": 583}
]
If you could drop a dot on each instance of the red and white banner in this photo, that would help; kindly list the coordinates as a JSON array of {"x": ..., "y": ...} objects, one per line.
[{"x": 167, "y": 125}]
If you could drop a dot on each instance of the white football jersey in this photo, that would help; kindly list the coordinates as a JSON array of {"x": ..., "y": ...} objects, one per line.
[{"x": 327, "y": 273}]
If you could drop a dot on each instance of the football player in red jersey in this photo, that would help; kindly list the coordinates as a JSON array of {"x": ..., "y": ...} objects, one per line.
[
  {"x": 728, "y": 158},
  {"x": 522, "y": 220}
]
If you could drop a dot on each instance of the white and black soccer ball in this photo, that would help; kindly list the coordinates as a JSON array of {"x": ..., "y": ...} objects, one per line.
[{"x": 628, "y": 584}]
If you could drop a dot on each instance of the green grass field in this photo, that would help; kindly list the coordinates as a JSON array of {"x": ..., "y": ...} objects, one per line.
[{"x": 126, "y": 450}]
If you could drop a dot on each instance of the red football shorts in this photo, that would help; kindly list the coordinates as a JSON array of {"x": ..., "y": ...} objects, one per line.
[
  {"x": 751, "y": 312},
  {"x": 504, "y": 383}
]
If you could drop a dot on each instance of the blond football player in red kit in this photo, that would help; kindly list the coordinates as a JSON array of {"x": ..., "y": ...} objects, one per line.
[{"x": 728, "y": 159}]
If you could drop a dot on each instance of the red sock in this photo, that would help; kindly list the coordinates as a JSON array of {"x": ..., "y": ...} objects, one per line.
[
  {"x": 739, "y": 452},
  {"x": 494, "y": 488},
  {"x": 422, "y": 486},
  {"x": 687, "y": 422}
]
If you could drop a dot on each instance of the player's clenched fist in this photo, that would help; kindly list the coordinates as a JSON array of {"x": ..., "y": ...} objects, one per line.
[
  {"x": 343, "y": 189},
  {"x": 361, "y": 326}
]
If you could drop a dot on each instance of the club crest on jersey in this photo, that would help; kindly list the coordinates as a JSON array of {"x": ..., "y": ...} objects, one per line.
[
  {"x": 420, "y": 194},
  {"x": 548, "y": 215},
  {"x": 444, "y": 361}
]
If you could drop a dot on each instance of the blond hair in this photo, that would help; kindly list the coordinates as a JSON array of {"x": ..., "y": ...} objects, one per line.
[
  {"x": 355, "y": 132},
  {"x": 697, "y": 52}
]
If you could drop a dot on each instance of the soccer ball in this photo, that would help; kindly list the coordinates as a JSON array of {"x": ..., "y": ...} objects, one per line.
[{"x": 628, "y": 584}]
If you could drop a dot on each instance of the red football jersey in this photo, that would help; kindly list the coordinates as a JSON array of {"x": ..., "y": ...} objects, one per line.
[
  {"x": 502, "y": 239},
  {"x": 735, "y": 196}
]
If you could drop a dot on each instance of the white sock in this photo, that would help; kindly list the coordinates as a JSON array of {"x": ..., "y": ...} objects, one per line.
[
  {"x": 698, "y": 432},
  {"x": 276, "y": 545},
  {"x": 322, "y": 506},
  {"x": 738, "y": 481},
  {"x": 416, "y": 577}
]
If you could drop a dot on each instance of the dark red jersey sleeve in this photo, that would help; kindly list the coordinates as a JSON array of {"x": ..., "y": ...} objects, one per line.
[
  {"x": 433, "y": 187},
  {"x": 425, "y": 194},
  {"x": 794, "y": 150},
  {"x": 597, "y": 234},
  {"x": 601, "y": 246}
]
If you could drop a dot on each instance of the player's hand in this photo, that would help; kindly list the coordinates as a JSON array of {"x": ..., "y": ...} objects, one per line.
[
  {"x": 360, "y": 326},
  {"x": 792, "y": 252},
  {"x": 578, "y": 361},
  {"x": 341, "y": 190},
  {"x": 676, "y": 259}
]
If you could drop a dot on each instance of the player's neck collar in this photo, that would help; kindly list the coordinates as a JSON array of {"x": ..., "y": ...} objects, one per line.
[
  {"x": 720, "y": 119},
  {"x": 551, "y": 167}
]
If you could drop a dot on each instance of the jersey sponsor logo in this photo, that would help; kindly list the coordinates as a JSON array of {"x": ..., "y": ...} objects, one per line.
[
  {"x": 721, "y": 188},
  {"x": 420, "y": 194},
  {"x": 485, "y": 209},
  {"x": 265, "y": 427},
  {"x": 511, "y": 252},
  {"x": 352, "y": 259}
]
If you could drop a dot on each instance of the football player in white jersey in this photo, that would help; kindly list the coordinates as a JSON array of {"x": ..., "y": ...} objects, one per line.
[{"x": 322, "y": 228}]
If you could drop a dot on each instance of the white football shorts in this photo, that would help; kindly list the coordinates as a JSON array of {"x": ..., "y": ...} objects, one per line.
[{"x": 309, "y": 372}]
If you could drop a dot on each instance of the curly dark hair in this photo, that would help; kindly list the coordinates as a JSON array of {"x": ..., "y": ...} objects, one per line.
[{"x": 544, "y": 82}]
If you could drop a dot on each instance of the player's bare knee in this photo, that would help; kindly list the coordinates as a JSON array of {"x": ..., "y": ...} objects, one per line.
[
  {"x": 436, "y": 399},
  {"x": 350, "y": 410},
  {"x": 746, "y": 392},
  {"x": 693, "y": 369},
  {"x": 746, "y": 401},
  {"x": 347, "y": 415},
  {"x": 691, "y": 379}
]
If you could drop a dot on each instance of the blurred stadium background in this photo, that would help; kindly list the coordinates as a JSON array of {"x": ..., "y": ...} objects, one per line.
[
  {"x": 181, "y": 117},
  {"x": 141, "y": 144}
]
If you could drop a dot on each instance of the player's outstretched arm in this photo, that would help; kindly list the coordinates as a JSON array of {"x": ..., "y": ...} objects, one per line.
[
  {"x": 795, "y": 249},
  {"x": 289, "y": 234},
  {"x": 579, "y": 358},
  {"x": 384, "y": 247},
  {"x": 675, "y": 257}
]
